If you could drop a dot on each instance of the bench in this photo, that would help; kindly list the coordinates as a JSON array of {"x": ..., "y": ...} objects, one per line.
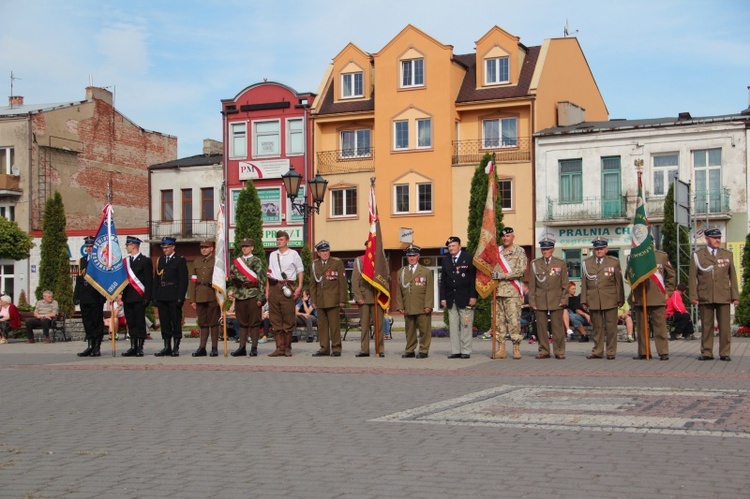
[
  {"x": 56, "y": 328},
  {"x": 349, "y": 319}
]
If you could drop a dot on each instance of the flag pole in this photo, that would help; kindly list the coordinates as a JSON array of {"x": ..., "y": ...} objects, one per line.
[
  {"x": 112, "y": 327},
  {"x": 224, "y": 323},
  {"x": 646, "y": 339},
  {"x": 494, "y": 324}
]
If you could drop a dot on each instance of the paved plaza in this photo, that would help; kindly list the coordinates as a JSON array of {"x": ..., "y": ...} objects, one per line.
[{"x": 373, "y": 427}]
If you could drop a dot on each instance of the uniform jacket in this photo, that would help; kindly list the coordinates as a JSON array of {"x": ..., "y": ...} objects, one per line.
[
  {"x": 361, "y": 289},
  {"x": 548, "y": 284},
  {"x": 457, "y": 284},
  {"x": 144, "y": 271},
  {"x": 329, "y": 286},
  {"x": 171, "y": 280},
  {"x": 713, "y": 279},
  {"x": 516, "y": 257},
  {"x": 243, "y": 289},
  {"x": 415, "y": 292},
  {"x": 601, "y": 285},
  {"x": 654, "y": 296},
  {"x": 85, "y": 292},
  {"x": 201, "y": 290}
]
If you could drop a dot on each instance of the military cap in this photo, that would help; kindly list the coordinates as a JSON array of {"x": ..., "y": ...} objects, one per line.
[
  {"x": 323, "y": 246},
  {"x": 89, "y": 240},
  {"x": 546, "y": 243},
  {"x": 282, "y": 233},
  {"x": 713, "y": 232},
  {"x": 207, "y": 244},
  {"x": 247, "y": 241},
  {"x": 599, "y": 243},
  {"x": 133, "y": 240},
  {"x": 453, "y": 239},
  {"x": 168, "y": 241},
  {"x": 413, "y": 250},
  {"x": 506, "y": 230}
]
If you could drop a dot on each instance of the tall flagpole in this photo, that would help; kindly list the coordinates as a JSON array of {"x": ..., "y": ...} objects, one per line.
[
  {"x": 109, "y": 264},
  {"x": 646, "y": 339}
]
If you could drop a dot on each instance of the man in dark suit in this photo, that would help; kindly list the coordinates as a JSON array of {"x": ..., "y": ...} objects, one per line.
[
  {"x": 713, "y": 287},
  {"x": 136, "y": 295},
  {"x": 459, "y": 295},
  {"x": 548, "y": 296},
  {"x": 91, "y": 303},
  {"x": 170, "y": 286}
]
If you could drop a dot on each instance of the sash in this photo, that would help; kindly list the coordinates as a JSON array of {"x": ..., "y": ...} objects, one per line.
[
  {"x": 506, "y": 270},
  {"x": 133, "y": 280},
  {"x": 245, "y": 270},
  {"x": 658, "y": 280}
]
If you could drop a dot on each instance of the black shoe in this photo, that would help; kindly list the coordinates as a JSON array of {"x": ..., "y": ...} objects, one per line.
[
  {"x": 130, "y": 352},
  {"x": 465, "y": 356},
  {"x": 214, "y": 352},
  {"x": 176, "y": 348},
  {"x": 96, "y": 348},
  {"x": 664, "y": 356},
  {"x": 201, "y": 352},
  {"x": 310, "y": 340},
  {"x": 335, "y": 354},
  {"x": 583, "y": 339},
  {"x": 240, "y": 352},
  {"x": 253, "y": 352},
  {"x": 639, "y": 357},
  {"x": 139, "y": 347},
  {"x": 381, "y": 355},
  {"x": 408, "y": 355},
  {"x": 360, "y": 354},
  {"x": 87, "y": 351},
  {"x": 321, "y": 354},
  {"x": 421, "y": 355},
  {"x": 166, "y": 351},
  {"x": 705, "y": 357},
  {"x": 454, "y": 356},
  {"x": 725, "y": 358}
]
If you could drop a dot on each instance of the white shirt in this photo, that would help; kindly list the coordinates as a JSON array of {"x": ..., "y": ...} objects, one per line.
[{"x": 291, "y": 264}]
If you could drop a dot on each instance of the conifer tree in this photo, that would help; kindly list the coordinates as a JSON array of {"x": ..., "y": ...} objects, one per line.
[
  {"x": 248, "y": 221},
  {"x": 742, "y": 311},
  {"x": 54, "y": 265}
]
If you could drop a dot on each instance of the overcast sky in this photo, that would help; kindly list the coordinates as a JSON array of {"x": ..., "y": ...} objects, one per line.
[{"x": 172, "y": 61}]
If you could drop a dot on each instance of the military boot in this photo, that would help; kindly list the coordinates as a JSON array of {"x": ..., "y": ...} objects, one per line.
[
  {"x": 516, "y": 350},
  {"x": 139, "y": 347},
  {"x": 280, "y": 345},
  {"x": 166, "y": 351},
  {"x": 176, "y": 348},
  {"x": 96, "y": 348},
  {"x": 130, "y": 352},
  {"x": 88, "y": 349},
  {"x": 500, "y": 352}
]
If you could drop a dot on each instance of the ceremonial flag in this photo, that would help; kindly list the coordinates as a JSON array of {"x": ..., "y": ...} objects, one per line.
[
  {"x": 487, "y": 256},
  {"x": 106, "y": 270},
  {"x": 374, "y": 264},
  {"x": 642, "y": 263},
  {"x": 219, "y": 279}
]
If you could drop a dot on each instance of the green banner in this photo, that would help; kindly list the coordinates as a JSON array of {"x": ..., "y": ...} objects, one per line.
[{"x": 642, "y": 263}]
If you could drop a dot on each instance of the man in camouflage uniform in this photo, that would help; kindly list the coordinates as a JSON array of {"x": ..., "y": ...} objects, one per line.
[
  {"x": 509, "y": 292},
  {"x": 328, "y": 294},
  {"x": 548, "y": 296},
  {"x": 248, "y": 277},
  {"x": 203, "y": 298},
  {"x": 415, "y": 299}
]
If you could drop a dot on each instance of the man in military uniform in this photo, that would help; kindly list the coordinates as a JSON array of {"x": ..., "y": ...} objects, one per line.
[
  {"x": 415, "y": 299},
  {"x": 509, "y": 293},
  {"x": 136, "y": 295},
  {"x": 328, "y": 294},
  {"x": 203, "y": 299},
  {"x": 459, "y": 295},
  {"x": 602, "y": 293},
  {"x": 713, "y": 287},
  {"x": 91, "y": 302},
  {"x": 548, "y": 297},
  {"x": 283, "y": 287},
  {"x": 248, "y": 277},
  {"x": 170, "y": 287},
  {"x": 658, "y": 288},
  {"x": 364, "y": 297}
]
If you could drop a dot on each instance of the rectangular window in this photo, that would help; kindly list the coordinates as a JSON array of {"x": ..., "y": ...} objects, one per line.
[
  {"x": 708, "y": 189},
  {"x": 7, "y": 278},
  {"x": 424, "y": 198},
  {"x": 207, "y": 203},
  {"x": 7, "y": 160},
  {"x": 187, "y": 212},
  {"x": 167, "y": 206},
  {"x": 496, "y": 71},
  {"x": 355, "y": 144},
  {"x": 344, "y": 202},
  {"x": 295, "y": 137},
  {"x": 424, "y": 133},
  {"x": 352, "y": 85},
  {"x": 412, "y": 73},
  {"x": 666, "y": 169},
  {"x": 401, "y": 134},
  {"x": 267, "y": 138},
  {"x": 505, "y": 189},
  {"x": 502, "y": 132},
  {"x": 401, "y": 198},
  {"x": 238, "y": 140},
  {"x": 571, "y": 181},
  {"x": 572, "y": 259}
]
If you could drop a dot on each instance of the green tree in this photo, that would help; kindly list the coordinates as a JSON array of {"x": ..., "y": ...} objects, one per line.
[
  {"x": 742, "y": 312},
  {"x": 307, "y": 259},
  {"x": 15, "y": 244},
  {"x": 249, "y": 220},
  {"x": 54, "y": 265}
]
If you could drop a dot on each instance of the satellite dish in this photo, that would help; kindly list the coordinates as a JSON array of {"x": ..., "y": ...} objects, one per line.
[{"x": 15, "y": 170}]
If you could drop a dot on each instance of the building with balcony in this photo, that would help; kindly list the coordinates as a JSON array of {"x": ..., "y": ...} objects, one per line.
[
  {"x": 587, "y": 183},
  {"x": 81, "y": 148},
  {"x": 266, "y": 130},
  {"x": 419, "y": 118}
]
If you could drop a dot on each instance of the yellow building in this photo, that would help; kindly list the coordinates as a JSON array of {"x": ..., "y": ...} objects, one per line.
[{"x": 419, "y": 118}]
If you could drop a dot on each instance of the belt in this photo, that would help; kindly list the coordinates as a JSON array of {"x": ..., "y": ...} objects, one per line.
[
  {"x": 276, "y": 281},
  {"x": 204, "y": 284},
  {"x": 248, "y": 285},
  {"x": 165, "y": 284}
]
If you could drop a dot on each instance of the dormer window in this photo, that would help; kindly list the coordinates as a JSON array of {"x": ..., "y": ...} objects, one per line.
[
  {"x": 496, "y": 70},
  {"x": 352, "y": 85},
  {"x": 412, "y": 73}
]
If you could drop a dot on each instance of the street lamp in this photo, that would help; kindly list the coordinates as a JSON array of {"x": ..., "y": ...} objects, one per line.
[{"x": 292, "y": 180}]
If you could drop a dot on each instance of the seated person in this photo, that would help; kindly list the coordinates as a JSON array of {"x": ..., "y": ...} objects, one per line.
[
  {"x": 45, "y": 312},
  {"x": 678, "y": 314},
  {"x": 624, "y": 318},
  {"x": 233, "y": 325},
  {"x": 306, "y": 315},
  {"x": 119, "y": 312},
  {"x": 266, "y": 324},
  {"x": 574, "y": 316},
  {"x": 9, "y": 317},
  {"x": 527, "y": 314},
  {"x": 387, "y": 325}
]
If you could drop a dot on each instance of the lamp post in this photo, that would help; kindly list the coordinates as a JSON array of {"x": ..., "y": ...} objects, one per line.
[{"x": 317, "y": 187}]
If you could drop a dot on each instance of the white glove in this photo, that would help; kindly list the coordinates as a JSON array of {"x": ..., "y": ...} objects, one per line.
[{"x": 497, "y": 275}]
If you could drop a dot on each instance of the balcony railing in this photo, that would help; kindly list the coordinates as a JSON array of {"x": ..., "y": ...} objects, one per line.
[
  {"x": 506, "y": 150},
  {"x": 338, "y": 161},
  {"x": 715, "y": 201},
  {"x": 183, "y": 229}
]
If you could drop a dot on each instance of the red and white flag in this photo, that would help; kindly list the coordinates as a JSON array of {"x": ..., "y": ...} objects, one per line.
[
  {"x": 487, "y": 256},
  {"x": 374, "y": 264}
]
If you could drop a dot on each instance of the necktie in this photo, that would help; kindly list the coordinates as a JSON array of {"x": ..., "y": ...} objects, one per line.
[
  {"x": 546, "y": 260},
  {"x": 599, "y": 261},
  {"x": 411, "y": 269},
  {"x": 455, "y": 260}
]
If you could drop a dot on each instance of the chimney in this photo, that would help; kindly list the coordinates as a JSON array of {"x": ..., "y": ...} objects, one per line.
[
  {"x": 15, "y": 100},
  {"x": 101, "y": 94},
  {"x": 211, "y": 146},
  {"x": 684, "y": 116},
  {"x": 569, "y": 113}
]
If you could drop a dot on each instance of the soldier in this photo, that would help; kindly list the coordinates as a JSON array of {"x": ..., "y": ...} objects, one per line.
[
  {"x": 92, "y": 305},
  {"x": 329, "y": 293},
  {"x": 509, "y": 293},
  {"x": 602, "y": 293},
  {"x": 713, "y": 286},
  {"x": 459, "y": 295},
  {"x": 285, "y": 269},
  {"x": 658, "y": 288},
  {"x": 203, "y": 299},
  {"x": 548, "y": 297},
  {"x": 364, "y": 297},
  {"x": 415, "y": 299},
  {"x": 248, "y": 277},
  {"x": 170, "y": 287},
  {"x": 136, "y": 295}
]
